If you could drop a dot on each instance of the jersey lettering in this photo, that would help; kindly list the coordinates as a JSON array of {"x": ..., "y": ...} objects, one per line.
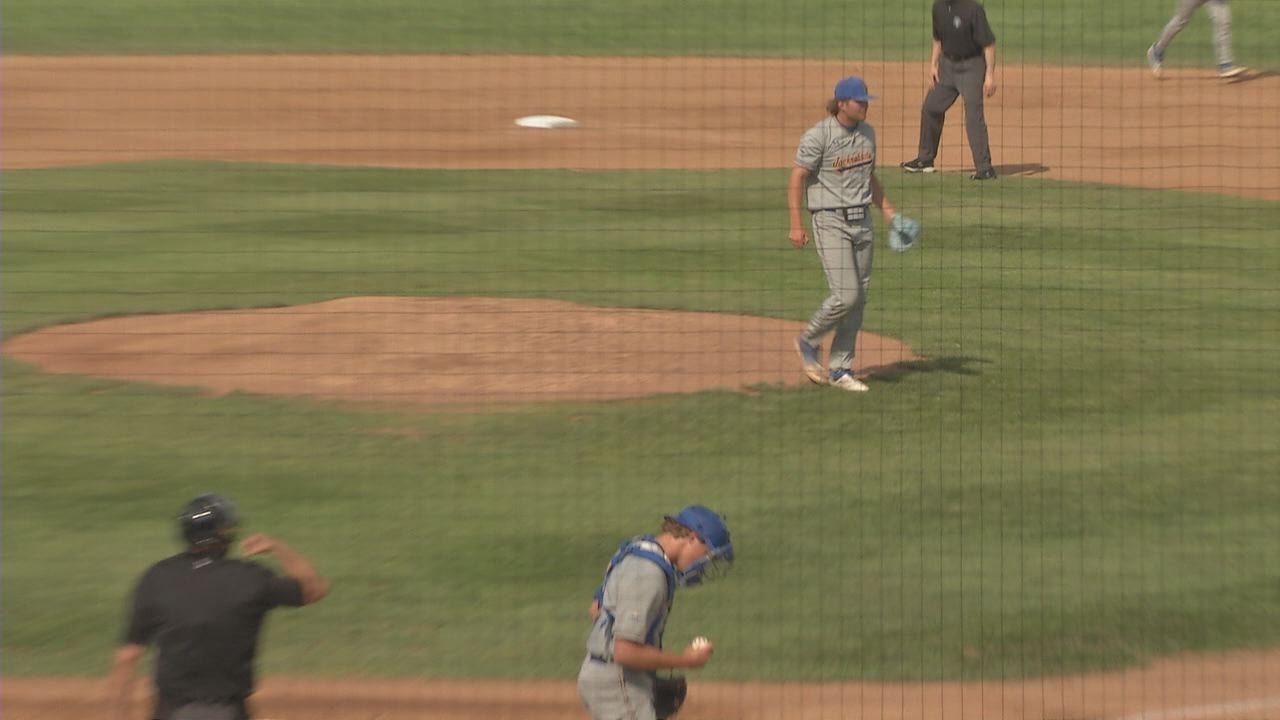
[{"x": 857, "y": 159}]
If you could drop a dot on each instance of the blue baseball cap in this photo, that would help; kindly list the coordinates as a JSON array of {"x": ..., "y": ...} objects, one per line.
[
  {"x": 853, "y": 88},
  {"x": 711, "y": 529},
  {"x": 704, "y": 521}
]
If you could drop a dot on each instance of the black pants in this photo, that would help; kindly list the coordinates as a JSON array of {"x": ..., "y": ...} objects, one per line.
[
  {"x": 168, "y": 709},
  {"x": 957, "y": 78}
]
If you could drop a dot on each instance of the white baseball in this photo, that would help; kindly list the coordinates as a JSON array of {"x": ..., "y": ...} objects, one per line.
[{"x": 700, "y": 642}]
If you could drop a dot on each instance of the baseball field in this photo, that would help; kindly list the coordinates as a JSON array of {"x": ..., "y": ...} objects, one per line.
[{"x": 299, "y": 253}]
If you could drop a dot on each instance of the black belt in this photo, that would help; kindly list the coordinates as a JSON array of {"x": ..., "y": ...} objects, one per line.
[
  {"x": 853, "y": 213},
  {"x": 954, "y": 58},
  {"x": 598, "y": 658}
]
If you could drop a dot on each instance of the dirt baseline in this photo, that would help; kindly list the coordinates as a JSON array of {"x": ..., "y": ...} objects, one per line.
[
  {"x": 436, "y": 351},
  {"x": 1190, "y": 131},
  {"x": 1237, "y": 686}
]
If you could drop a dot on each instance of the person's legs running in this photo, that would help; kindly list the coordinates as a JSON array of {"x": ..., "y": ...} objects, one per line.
[
  {"x": 1220, "y": 14},
  {"x": 1181, "y": 16}
]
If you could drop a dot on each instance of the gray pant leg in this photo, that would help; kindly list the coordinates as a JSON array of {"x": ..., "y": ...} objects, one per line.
[
  {"x": 609, "y": 692},
  {"x": 970, "y": 76},
  {"x": 1181, "y": 16},
  {"x": 844, "y": 342},
  {"x": 846, "y": 251},
  {"x": 1220, "y": 14},
  {"x": 934, "y": 113}
]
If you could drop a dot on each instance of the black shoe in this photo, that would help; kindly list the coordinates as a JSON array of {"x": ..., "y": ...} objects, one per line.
[
  {"x": 918, "y": 165},
  {"x": 987, "y": 174}
]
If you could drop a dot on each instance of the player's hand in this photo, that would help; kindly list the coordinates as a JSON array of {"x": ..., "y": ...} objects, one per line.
[
  {"x": 697, "y": 656},
  {"x": 799, "y": 238},
  {"x": 257, "y": 544},
  {"x": 594, "y": 612},
  {"x": 933, "y": 76},
  {"x": 989, "y": 86}
]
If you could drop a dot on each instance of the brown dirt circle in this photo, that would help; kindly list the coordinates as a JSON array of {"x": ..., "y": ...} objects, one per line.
[
  {"x": 1238, "y": 686},
  {"x": 438, "y": 351}
]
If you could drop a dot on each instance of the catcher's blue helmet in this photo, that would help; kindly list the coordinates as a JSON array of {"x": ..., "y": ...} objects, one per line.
[
  {"x": 710, "y": 529},
  {"x": 205, "y": 520}
]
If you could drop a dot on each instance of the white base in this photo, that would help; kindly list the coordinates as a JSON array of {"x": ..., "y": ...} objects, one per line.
[{"x": 546, "y": 121}]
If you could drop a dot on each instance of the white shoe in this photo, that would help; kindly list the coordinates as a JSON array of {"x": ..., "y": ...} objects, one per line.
[
  {"x": 1226, "y": 72},
  {"x": 809, "y": 361},
  {"x": 845, "y": 380},
  {"x": 1155, "y": 60}
]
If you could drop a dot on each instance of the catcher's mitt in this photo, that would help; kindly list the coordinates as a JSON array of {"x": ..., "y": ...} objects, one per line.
[{"x": 668, "y": 695}]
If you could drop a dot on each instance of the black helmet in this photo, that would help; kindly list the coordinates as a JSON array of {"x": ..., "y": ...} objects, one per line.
[{"x": 205, "y": 520}]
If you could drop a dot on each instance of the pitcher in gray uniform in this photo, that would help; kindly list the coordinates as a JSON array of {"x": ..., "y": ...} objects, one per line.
[
  {"x": 1220, "y": 15},
  {"x": 630, "y": 608},
  {"x": 834, "y": 174}
]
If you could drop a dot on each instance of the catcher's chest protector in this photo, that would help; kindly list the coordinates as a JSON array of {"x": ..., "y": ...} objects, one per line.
[{"x": 647, "y": 547}]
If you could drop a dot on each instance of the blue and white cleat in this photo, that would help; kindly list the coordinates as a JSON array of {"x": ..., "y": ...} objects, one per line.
[
  {"x": 844, "y": 379},
  {"x": 809, "y": 359},
  {"x": 1155, "y": 59}
]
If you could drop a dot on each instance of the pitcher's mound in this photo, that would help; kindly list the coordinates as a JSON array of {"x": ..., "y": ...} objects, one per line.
[{"x": 439, "y": 350}]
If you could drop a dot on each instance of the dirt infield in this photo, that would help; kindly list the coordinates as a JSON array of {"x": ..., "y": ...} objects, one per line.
[
  {"x": 1116, "y": 125},
  {"x": 1239, "y": 686},
  {"x": 439, "y": 350}
]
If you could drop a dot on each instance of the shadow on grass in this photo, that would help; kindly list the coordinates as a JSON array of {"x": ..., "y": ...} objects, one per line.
[
  {"x": 952, "y": 364},
  {"x": 1024, "y": 169}
]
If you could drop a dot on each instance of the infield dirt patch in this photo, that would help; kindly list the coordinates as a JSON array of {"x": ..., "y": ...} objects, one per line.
[
  {"x": 437, "y": 351},
  {"x": 1189, "y": 131}
]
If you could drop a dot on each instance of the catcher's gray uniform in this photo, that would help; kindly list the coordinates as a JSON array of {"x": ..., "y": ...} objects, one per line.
[
  {"x": 634, "y": 607},
  {"x": 840, "y": 161}
]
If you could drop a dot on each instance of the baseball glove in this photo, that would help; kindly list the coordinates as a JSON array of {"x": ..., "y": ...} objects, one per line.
[
  {"x": 903, "y": 233},
  {"x": 668, "y": 695}
]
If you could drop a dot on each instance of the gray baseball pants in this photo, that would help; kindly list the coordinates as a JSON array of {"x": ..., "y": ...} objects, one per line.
[
  {"x": 962, "y": 78},
  {"x": 1219, "y": 13},
  {"x": 846, "y": 249},
  {"x": 611, "y": 692}
]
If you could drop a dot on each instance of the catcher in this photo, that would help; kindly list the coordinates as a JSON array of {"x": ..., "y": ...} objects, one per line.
[
  {"x": 834, "y": 175},
  {"x": 204, "y": 611},
  {"x": 618, "y": 679}
]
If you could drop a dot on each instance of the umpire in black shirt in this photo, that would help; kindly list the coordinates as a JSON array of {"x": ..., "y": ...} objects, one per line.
[
  {"x": 203, "y": 612},
  {"x": 964, "y": 64}
]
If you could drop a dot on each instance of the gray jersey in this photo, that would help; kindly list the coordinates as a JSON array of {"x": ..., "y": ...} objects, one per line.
[
  {"x": 634, "y": 607},
  {"x": 840, "y": 162}
]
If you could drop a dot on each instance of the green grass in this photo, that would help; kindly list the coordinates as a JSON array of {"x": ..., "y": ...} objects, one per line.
[
  {"x": 1051, "y": 31},
  {"x": 1080, "y": 475}
]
